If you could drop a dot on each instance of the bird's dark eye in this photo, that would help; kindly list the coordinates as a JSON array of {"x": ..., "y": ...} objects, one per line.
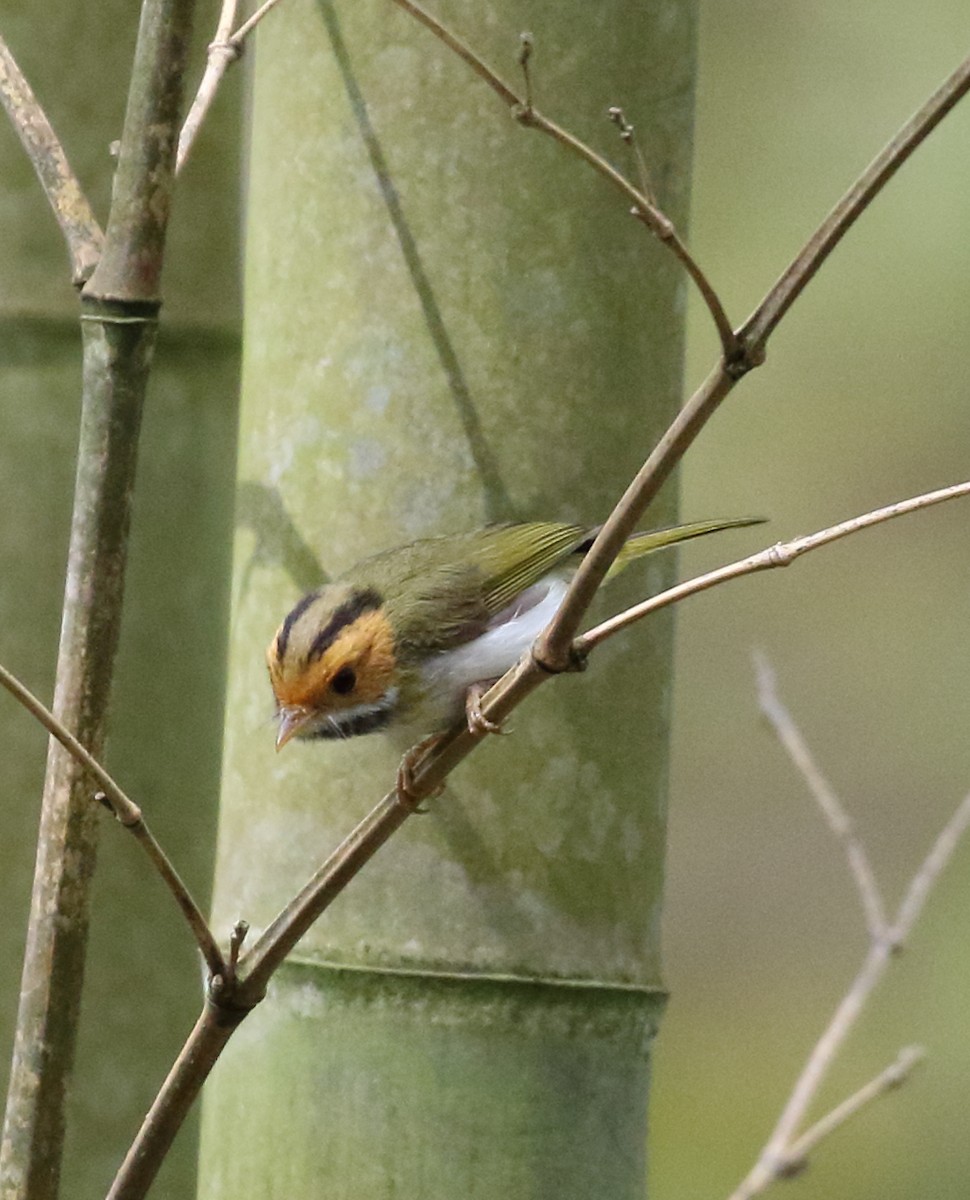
[{"x": 344, "y": 681}]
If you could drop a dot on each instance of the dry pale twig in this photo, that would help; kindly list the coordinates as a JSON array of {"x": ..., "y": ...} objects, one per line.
[
  {"x": 786, "y": 1152},
  {"x": 71, "y": 208},
  {"x": 222, "y": 53},
  {"x": 829, "y": 804},
  {"x": 886, "y": 1081},
  {"x": 225, "y": 48},
  {"x": 128, "y": 814},
  {"x": 782, "y": 554}
]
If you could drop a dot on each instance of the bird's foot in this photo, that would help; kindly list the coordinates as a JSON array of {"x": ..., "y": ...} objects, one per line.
[
  {"x": 478, "y": 723},
  {"x": 405, "y": 776}
]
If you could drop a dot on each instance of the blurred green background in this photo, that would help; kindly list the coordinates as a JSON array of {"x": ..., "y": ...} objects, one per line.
[{"x": 865, "y": 399}]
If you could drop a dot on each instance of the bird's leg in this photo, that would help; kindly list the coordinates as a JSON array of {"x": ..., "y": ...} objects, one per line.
[
  {"x": 478, "y": 723},
  {"x": 405, "y": 775}
]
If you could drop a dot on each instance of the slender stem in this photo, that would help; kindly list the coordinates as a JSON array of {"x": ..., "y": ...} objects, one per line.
[
  {"x": 131, "y": 265},
  {"x": 829, "y": 805},
  {"x": 178, "y": 1093},
  {"x": 223, "y": 51},
  {"x": 759, "y": 326},
  {"x": 780, "y": 555},
  {"x": 886, "y": 1081},
  {"x": 251, "y": 22},
  {"x": 554, "y": 649},
  {"x": 642, "y": 206},
  {"x": 774, "y": 1160},
  {"x": 128, "y": 814},
  {"x": 71, "y": 208}
]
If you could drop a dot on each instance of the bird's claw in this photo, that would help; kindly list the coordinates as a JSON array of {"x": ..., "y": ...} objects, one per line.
[
  {"x": 478, "y": 723},
  {"x": 405, "y": 777}
]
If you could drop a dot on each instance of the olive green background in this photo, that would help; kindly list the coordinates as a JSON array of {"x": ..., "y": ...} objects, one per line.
[{"x": 865, "y": 398}]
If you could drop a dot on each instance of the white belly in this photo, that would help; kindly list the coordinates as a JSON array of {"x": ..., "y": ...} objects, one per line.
[{"x": 448, "y": 676}]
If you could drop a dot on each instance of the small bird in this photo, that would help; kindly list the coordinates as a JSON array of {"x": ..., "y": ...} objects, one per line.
[{"x": 409, "y": 636}]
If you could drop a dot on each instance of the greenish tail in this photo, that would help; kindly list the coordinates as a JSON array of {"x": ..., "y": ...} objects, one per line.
[{"x": 656, "y": 539}]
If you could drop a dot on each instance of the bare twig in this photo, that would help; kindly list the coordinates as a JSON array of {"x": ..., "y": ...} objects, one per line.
[
  {"x": 643, "y": 208},
  {"x": 830, "y": 806},
  {"x": 785, "y": 1153},
  {"x": 554, "y": 649},
  {"x": 628, "y": 135},
  {"x": 71, "y": 208},
  {"x": 886, "y": 1081},
  {"x": 251, "y": 22},
  {"x": 759, "y": 326},
  {"x": 222, "y": 53},
  {"x": 128, "y": 814},
  {"x": 780, "y": 555},
  {"x": 176, "y": 1096}
]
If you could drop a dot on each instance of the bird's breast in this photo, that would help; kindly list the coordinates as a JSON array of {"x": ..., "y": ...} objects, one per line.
[{"x": 446, "y": 677}]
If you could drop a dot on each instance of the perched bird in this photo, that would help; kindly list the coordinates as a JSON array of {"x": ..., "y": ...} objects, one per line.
[{"x": 404, "y": 637}]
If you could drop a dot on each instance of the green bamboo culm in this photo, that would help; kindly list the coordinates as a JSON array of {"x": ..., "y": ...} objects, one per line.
[{"x": 449, "y": 321}]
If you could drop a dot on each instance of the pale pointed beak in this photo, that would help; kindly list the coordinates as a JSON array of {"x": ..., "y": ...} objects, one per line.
[{"x": 293, "y": 718}]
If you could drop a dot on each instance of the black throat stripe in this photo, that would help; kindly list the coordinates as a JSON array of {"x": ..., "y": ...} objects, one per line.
[
  {"x": 366, "y": 600},
  {"x": 343, "y": 726}
]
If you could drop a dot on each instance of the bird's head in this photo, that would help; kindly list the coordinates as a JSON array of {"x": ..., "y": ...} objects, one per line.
[{"x": 332, "y": 665}]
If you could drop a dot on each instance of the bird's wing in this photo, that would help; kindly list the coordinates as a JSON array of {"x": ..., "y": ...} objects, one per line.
[{"x": 514, "y": 557}]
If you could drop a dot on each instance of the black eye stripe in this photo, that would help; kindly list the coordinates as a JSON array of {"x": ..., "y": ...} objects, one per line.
[{"x": 361, "y": 602}]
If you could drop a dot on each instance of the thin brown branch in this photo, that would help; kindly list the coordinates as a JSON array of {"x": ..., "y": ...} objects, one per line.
[
  {"x": 175, "y": 1098},
  {"x": 830, "y": 806},
  {"x": 128, "y": 814},
  {"x": 555, "y": 645},
  {"x": 643, "y": 207},
  {"x": 223, "y": 51},
  {"x": 780, "y": 555},
  {"x": 759, "y": 326},
  {"x": 71, "y": 208}
]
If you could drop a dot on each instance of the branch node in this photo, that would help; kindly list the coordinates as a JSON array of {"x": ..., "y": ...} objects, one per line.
[
  {"x": 236, "y": 939},
  {"x": 576, "y": 659},
  {"x": 232, "y": 48},
  {"x": 128, "y": 817},
  {"x": 780, "y": 555},
  {"x": 790, "y": 1166}
]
